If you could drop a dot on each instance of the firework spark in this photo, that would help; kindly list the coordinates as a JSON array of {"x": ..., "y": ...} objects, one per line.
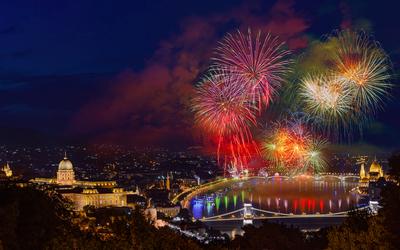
[{"x": 258, "y": 61}]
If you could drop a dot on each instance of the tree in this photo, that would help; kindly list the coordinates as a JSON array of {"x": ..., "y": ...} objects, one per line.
[
  {"x": 361, "y": 230},
  {"x": 391, "y": 201},
  {"x": 390, "y": 212},
  {"x": 145, "y": 236},
  {"x": 269, "y": 236},
  {"x": 394, "y": 165},
  {"x": 31, "y": 218}
]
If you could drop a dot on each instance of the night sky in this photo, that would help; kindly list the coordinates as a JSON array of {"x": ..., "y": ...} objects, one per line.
[{"x": 122, "y": 71}]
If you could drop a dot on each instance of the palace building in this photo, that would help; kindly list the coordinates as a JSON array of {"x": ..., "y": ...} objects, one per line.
[{"x": 83, "y": 193}]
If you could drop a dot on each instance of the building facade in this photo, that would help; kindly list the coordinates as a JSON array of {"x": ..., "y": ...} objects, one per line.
[
  {"x": 85, "y": 193},
  {"x": 375, "y": 172}
]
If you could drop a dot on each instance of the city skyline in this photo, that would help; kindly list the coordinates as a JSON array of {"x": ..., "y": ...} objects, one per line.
[{"x": 229, "y": 124}]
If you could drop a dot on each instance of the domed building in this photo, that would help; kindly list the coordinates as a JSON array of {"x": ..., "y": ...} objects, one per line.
[
  {"x": 83, "y": 193},
  {"x": 375, "y": 172},
  {"x": 65, "y": 173}
]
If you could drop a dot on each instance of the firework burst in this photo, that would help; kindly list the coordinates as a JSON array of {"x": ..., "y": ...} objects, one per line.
[
  {"x": 352, "y": 89},
  {"x": 221, "y": 106},
  {"x": 258, "y": 61},
  {"x": 222, "y": 109},
  {"x": 328, "y": 100},
  {"x": 364, "y": 65},
  {"x": 293, "y": 148}
]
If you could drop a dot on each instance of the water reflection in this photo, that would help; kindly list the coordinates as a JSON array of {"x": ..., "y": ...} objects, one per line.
[{"x": 297, "y": 196}]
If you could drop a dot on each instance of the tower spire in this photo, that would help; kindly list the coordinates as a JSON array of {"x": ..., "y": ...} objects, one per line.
[
  {"x": 65, "y": 154},
  {"x": 362, "y": 171}
]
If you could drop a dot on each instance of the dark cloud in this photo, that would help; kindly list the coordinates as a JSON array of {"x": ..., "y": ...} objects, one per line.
[
  {"x": 150, "y": 107},
  {"x": 145, "y": 58},
  {"x": 9, "y": 30},
  {"x": 44, "y": 103},
  {"x": 15, "y": 54},
  {"x": 360, "y": 148}
]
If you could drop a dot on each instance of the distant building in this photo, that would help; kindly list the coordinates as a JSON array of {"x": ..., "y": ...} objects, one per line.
[
  {"x": 168, "y": 183},
  {"x": 65, "y": 173},
  {"x": 6, "y": 174},
  {"x": 372, "y": 182},
  {"x": 83, "y": 193},
  {"x": 7, "y": 170},
  {"x": 66, "y": 177},
  {"x": 97, "y": 197},
  {"x": 375, "y": 172},
  {"x": 169, "y": 211}
]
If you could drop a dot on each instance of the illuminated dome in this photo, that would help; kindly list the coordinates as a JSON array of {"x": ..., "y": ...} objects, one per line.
[
  {"x": 375, "y": 167},
  {"x": 65, "y": 164}
]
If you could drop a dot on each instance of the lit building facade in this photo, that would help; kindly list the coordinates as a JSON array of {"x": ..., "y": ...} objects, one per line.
[
  {"x": 7, "y": 170},
  {"x": 169, "y": 211},
  {"x": 375, "y": 172},
  {"x": 65, "y": 173},
  {"x": 85, "y": 193},
  {"x": 97, "y": 197}
]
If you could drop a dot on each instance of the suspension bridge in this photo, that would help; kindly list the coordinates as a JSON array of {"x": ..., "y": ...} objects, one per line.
[
  {"x": 342, "y": 177},
  {"x": 249, "y": 213}
]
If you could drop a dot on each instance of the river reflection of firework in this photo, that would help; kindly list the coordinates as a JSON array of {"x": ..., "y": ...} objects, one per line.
[{"x": 283, "y": 196}]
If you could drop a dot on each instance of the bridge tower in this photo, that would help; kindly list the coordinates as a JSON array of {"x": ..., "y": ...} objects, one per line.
[
  {"x": 247, "y": 214},
  {"x": 374, "y": 207}
]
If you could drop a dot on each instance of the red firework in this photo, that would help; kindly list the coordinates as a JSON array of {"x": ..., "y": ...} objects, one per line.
[
  {"x": 258, "y": 61},
  {"x": 222, "y": 109},
  {"x": 221, "y": 106}
]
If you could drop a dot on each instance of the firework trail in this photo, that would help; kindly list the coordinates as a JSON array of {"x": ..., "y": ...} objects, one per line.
[{"x": 258, "y": 61}]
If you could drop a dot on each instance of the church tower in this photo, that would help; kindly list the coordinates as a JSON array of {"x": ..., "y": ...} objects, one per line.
[
  {"x": 362, "y": 172},
  {"x": 7, "y": 170},
  {"x": 168, "y": 183},
  {"x": 65, "y": 173}
]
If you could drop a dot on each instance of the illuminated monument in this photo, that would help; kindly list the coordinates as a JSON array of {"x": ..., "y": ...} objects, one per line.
[
  {"x": 65, "y": 173},
  {"x": 83, "y": 193},
  {"x": 375, "y": 172},
  {"x": 7, "y": 170}
]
